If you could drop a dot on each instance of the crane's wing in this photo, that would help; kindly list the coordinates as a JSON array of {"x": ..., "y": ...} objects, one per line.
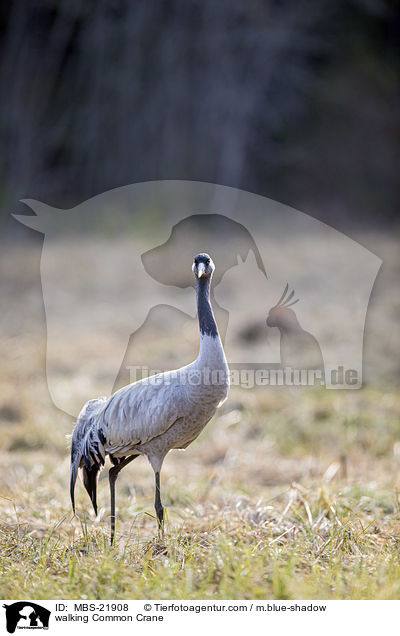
[
  {"x": 132, "y": 416},
  {"x": 141, "y": 411}
]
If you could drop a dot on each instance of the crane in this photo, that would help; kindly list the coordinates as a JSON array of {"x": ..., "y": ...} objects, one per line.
[{"x": 156, "y": 414}]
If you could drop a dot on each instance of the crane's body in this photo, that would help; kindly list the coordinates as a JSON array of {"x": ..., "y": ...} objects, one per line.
[{"x": 156, "y": 414}]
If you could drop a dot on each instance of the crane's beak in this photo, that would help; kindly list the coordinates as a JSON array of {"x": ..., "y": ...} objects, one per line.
[{"x": 201, "y": 270}]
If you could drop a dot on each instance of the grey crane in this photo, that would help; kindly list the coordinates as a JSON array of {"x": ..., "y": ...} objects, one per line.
[{"x": 155, "y": 414}]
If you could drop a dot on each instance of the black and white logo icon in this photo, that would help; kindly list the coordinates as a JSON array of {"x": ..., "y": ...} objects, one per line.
[{"x": 26, "y": 615}]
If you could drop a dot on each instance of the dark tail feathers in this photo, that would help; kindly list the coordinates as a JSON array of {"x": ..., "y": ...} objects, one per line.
[{"x": 87, "y": 450}]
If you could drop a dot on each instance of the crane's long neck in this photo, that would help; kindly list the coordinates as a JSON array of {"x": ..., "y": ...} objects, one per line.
[
  {"x": 207, "y": 324},
  {"x": 211, "y": 350}
]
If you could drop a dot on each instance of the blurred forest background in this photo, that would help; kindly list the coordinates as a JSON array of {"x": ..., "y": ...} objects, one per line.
[{"x": 294, "y": 100}]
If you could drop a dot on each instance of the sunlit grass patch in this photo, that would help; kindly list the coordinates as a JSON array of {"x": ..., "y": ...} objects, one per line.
[{"x": 318, "y": 541}]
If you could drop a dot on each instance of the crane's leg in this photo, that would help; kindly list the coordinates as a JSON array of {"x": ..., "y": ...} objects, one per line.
[
  {"x": 158, "y": 505},
  {"x": 112, "y": 476}
]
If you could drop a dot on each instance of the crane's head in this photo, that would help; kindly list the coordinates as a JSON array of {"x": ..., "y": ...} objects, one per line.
[
  {"x": 280, "y": 314},
  {"x": 203, "y": 266}
]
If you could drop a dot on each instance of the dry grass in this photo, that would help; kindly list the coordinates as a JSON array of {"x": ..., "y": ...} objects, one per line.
[{"x": 275, "y": 500}]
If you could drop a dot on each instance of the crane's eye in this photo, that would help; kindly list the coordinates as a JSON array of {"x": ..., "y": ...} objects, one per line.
[{"x": 208, "y": 261}]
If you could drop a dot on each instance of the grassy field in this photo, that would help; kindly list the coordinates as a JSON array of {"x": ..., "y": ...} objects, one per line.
[
  {"x": 276, "y": 499},
  {"x": 282, "y": 496}
]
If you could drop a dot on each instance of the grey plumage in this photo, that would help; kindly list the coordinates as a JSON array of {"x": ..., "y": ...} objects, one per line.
[
  {"x": 156, "y": 414},
  {"x": 87, "y": 449}
]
